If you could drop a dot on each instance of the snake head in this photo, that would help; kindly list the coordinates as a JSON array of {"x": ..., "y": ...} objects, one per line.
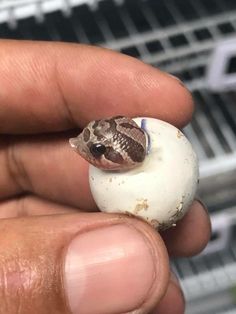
[{"x": 111, "y": 144}]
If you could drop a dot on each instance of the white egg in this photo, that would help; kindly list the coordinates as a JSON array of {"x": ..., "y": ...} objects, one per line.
[{"x": 161, "y": 189}]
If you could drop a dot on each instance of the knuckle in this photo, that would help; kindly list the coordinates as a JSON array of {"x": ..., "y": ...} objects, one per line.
[
  {"x": 14, "y": 284},
  {"x": 30, "y": 280},
  {"x": 16, "y": 167}
]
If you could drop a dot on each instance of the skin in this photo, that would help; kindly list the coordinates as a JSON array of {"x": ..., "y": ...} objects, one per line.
[{"x": 47, "y": 90}]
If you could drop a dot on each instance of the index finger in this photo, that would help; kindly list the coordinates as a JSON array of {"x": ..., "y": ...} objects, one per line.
[{"x": 48, "y": 87}]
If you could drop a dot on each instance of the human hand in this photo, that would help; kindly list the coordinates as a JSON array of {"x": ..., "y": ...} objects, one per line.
[{"x": 56, "y": 256}]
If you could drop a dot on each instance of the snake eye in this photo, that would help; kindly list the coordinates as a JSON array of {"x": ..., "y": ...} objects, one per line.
[{"x": 97, "y": 150}]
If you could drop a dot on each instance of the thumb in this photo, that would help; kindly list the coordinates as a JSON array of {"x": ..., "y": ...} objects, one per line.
[{"x": 80, "y": 263}]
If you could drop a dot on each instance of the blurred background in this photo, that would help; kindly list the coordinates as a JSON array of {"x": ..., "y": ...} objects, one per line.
[{"x": 196, "y": 41}]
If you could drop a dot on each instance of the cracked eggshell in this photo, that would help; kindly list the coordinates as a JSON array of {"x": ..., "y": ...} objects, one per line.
[{"x": 161, "y": 189}]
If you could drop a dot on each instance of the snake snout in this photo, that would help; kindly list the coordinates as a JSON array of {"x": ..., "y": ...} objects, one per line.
[{"x": 73, "y": 142}]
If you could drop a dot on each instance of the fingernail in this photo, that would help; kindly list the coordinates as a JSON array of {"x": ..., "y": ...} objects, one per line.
[
  {"x": 174, "y": 278},
  {"x": 109, "y": 270},
  {"x": 199, "y": 200},
  {"x": 176, "y": 78}
]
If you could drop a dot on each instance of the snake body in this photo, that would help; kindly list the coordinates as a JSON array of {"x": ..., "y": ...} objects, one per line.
[{"x": 117, "y": 143}]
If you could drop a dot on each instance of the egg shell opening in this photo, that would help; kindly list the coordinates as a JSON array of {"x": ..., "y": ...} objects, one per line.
[{"x": 161, "y": 189}]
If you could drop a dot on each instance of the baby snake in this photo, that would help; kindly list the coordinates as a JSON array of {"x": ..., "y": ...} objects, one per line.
[{"x": 117, "y": 143}]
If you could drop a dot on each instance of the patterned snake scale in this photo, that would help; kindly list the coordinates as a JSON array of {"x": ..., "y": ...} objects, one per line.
[{"x": 117, "y": 143}]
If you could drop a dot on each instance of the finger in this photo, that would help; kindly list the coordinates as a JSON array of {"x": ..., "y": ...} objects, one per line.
[
  {"x": 191, "y": 234},
  {"x": 29, "y": 205},
  {"x": 173, "y": 301},
  {"x": 25, "y": 164},
  {"x": 45, "y": 166},
  {"x": 80, "y": 263},
  {"x": 177, "y": 240},
  {"x": 55, "y": 86}
]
